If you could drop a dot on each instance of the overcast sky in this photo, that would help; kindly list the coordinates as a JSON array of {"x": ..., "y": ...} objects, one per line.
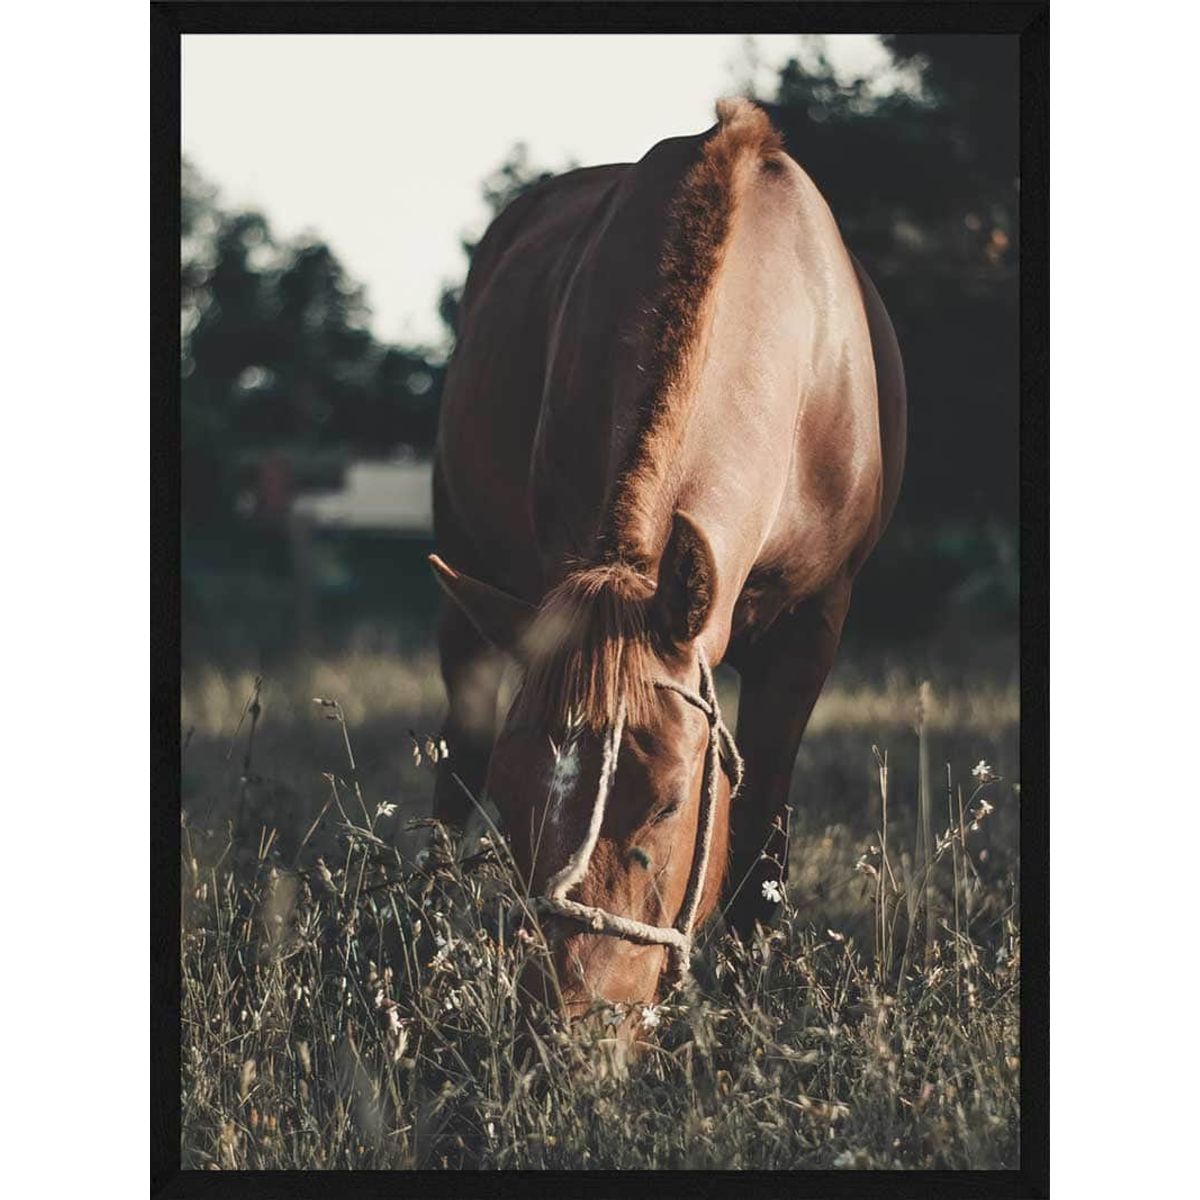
[{"x": 379, "y": 143}]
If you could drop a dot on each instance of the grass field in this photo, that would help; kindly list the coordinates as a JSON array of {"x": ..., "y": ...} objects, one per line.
[{"x": 348, "y": 988}]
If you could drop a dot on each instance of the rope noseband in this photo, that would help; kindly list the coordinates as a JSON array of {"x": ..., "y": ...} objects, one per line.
[{"x": 678, "y": 937}]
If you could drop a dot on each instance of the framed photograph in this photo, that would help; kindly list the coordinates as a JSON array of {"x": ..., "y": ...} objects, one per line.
[{"x": 600, "y": 510}]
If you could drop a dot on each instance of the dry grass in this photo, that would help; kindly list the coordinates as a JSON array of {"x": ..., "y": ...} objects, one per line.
[
  {"x": 348, "y": 988},
  {"x": 379, "y": 686}
]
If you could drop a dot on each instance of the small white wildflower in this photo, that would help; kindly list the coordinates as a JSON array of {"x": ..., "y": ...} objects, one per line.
[
  {"x": 385, "y": 810},
  {"x": 865, "y": 867},
  {"x": 393, "y": 1024},
  {"x": 982, "y": 771},
  {"x": 416, "y": 753},
  {"x": 615, "y": 1014},
  {"x": 650, "y": 1016},
  {"x": 445, "y": 949},
  {"x": 772, "y": 891},
  {"x": 985, "y": 808}
]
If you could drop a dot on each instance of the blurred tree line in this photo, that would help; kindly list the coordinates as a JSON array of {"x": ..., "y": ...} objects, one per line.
[
  {"x": 278, "y": 356},
  {"x": 279, "y": 359}
]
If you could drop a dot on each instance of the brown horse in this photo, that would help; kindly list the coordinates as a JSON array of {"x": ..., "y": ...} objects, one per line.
[{"x": 672, "y": 431}]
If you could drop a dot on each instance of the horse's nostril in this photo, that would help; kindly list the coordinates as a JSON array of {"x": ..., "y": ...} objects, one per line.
[{"x": 640, "y": 857}]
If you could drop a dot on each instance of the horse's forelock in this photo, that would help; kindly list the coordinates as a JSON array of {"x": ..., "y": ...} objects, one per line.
[{"x": 589, "y": 648}]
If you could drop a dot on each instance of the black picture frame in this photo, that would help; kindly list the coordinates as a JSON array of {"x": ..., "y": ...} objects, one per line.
[{"x": 1029, "y": 21}]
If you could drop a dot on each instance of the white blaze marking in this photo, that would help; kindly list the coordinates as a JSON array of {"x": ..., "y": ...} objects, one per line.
[{"x": 563, "y": 778}]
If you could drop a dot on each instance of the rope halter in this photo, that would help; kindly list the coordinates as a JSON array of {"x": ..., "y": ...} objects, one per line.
[{"x": 678, "y": 937}]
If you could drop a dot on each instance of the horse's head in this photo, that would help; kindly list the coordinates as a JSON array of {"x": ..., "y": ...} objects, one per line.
[{"x": 608, "y": 769}]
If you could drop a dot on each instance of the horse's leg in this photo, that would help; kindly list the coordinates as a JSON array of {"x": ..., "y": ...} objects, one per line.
[
  {"x": 471, "y": 671},
  {"x": 782, "y": 674}
]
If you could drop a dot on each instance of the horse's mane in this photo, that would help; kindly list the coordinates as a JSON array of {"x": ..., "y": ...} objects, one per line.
[
  {"x": 698, "y": 228},
  {"x": 591, "y": 644}
]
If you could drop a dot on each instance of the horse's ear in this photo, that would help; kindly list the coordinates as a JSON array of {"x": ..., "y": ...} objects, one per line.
[
  {"x": 502, "y": 619},
  {"x": 687, "y": 582}
]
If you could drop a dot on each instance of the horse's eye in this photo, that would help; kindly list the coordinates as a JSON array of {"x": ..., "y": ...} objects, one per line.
[{"x": 668, "y": 810}]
